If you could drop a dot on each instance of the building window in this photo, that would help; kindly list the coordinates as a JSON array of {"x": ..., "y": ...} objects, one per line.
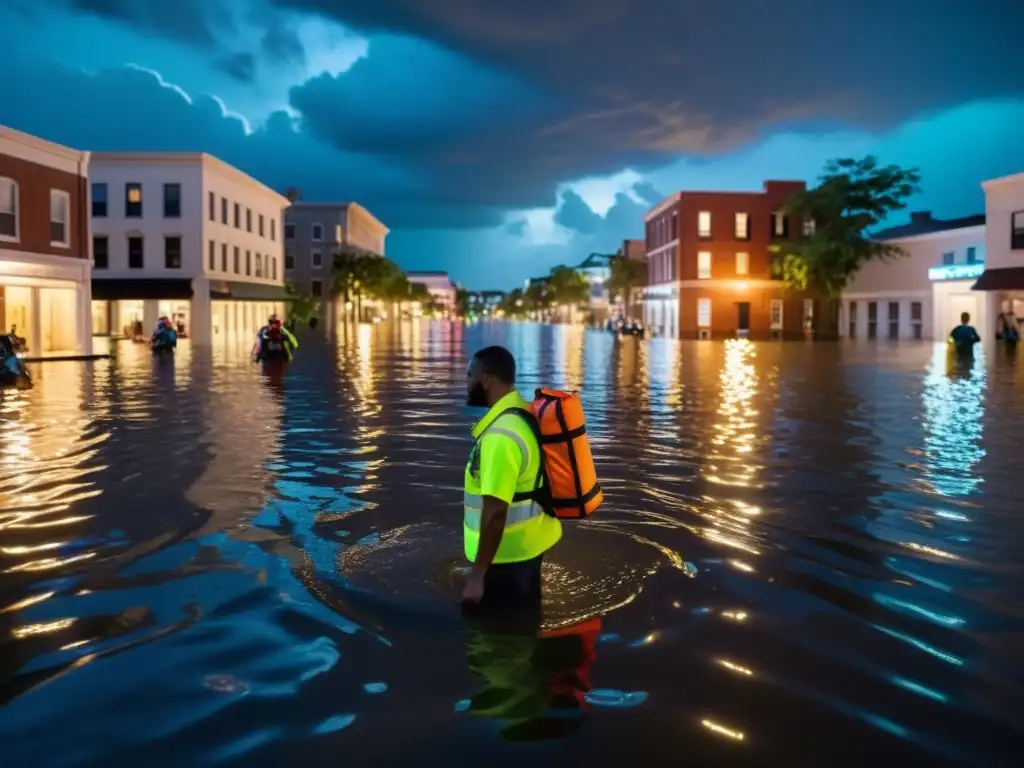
[
  {"x": 742, "y": 226},
  {"x": 776, "y": 314},
  {"x": 316, "y": 259},
  {"x": 703, "y": 313},
  {"x": 259, "y": 229},
  {"x": 809, "y": 226},
  {"x": 223, "y": 210},
  {"x": 100, "y": 252},
  {"x": 60, "y": 208},
  {"x": 742, "y": 263},
  {"x": 1017, "y": 230},
  {"x": 172, "y": 252},
  {"x": 704, "y": 225},
  {"x": 289, "y": 262},
  {"x": 248, "y": 219},
  {"x": 853, "y": 320},
  {"x": 273, "y": 268},
  {"x": 289, "y": 231},
  {"x": 318, "y": 288},
  {"x": 99, "y": 200},
  {"x": 972, "y": 255},
  {"x": 8, "y": 209},
  {"x": 948, "y": 258},
  {"x": 133, "y": 200},
  {"x": 212, "y": 257},
  {"x": 172, "y": 201},
  {"x": 273, "y": 230},
  {"x": 808, "y": 314},
  {"x": 223, "y": 257},
  {"x": 135, "y": 253},
  {"x": 780, "y": 225},
  {"x": 259, "y": 265},
  {"x": 318, "y": 233},
  {"x": 238, "y": 216},
  {"x": 211, "y": 203},
  {"x": 674, "y": 225},
  {"x": 238, "y": 260},
  {"x": 916, "y": 319},
  {"x": 894, "y": 319},
  {"x": 872, "y": 319},
  {"x": 703, "y": 265},
  {"x": 248, "y": 263}
]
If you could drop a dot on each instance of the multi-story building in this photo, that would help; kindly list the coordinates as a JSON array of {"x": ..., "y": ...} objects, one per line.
[
  {"x": 188, "y": 236},
  {"x": 486, "y": 303},
  {"x": 44, "y": 245},
  {"x": 1002, "y": 283},
  {"x": 633, "y": 249},
  {"x": 921, "y": 294},
  {"x": 440, "y": 287},
  {"x": 709, "y": 267},
  {"x": 316, "y": 232},
  {"x": 597, "y": 270}
]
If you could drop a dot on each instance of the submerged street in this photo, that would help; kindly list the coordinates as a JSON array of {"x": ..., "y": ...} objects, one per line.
[{"x": 808, "y": 553}]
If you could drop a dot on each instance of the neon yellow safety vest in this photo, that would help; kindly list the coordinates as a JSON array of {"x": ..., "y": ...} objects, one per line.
[{"x": 505, "y": 443}]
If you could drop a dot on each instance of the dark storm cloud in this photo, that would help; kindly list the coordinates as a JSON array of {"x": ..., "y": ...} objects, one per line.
[
  {"x": 189, "y": 21},
  {"x": 161, "y": 119},
  {"x": 241, "y": 66},
  {"x": 698, "y": 76},
  {"x": 575, "y": 214},
  {"x": 282, "y": 44}
]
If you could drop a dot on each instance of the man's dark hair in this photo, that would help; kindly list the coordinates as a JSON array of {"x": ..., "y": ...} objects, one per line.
[{"x": 497, "y": 362}]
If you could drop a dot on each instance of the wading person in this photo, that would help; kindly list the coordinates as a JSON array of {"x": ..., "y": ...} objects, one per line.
[
  {"x": 964, "y": 337},
  {"x": 505, "y": 535}
]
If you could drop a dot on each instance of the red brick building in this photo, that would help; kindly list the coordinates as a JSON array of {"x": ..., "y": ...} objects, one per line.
[
  {"x": 45, "y": 244},
  {"x": 709, "y": 265}
]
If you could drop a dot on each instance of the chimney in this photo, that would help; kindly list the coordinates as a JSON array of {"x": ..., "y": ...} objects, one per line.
[{"x": 920, "y": 217}]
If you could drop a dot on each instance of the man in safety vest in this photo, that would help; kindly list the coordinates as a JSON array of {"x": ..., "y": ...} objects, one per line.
[{"x": 505, "y": 536}]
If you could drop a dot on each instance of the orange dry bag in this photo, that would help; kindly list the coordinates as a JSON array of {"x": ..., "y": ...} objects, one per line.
[{"x": 568, "y": 466}]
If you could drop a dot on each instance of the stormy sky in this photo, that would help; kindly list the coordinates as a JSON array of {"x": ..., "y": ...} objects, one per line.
[{"x": 498, "y": 139}]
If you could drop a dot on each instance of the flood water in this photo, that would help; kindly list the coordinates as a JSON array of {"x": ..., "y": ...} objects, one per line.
[{"x": 809, "y": 555}]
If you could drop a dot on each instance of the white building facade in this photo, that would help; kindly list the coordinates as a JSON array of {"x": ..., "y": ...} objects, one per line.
[
  {"x": 439, "y": 285},
  {"x": 44, "y": 245},
  {"x": 1002, "y": 284},
  {"x": 187, "y": 236},
  {"x": 919, "y": 296}
]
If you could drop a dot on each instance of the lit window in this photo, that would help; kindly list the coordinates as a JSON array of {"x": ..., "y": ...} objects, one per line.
[
  {"x": 703, "y": 313},
  {"x": 703, "y": 265},
  {"x": 704, "y": 224},
  {"x": 8, "y": 209},
  {"x": 60, "y": 206},
  {"x": 776, "y": 314},
  {"x": 742, "y": 226},
  {"x": 337, "y": 233},
  {"x": 318, "y": 233},
  {"x": 742, "y": 263},
  {"x": 780, "y": 224},
  {"x": 133, "y": 201}
]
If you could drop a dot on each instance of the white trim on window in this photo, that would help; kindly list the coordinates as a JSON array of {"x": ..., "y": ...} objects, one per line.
[
  {"x": 316, "y": 232},
  {"x": 316, "y": 260},
  {"x": 60, "y": 205},
  {"x": 775, "y": 314},
  {"x": 741, "y": 226},
  {"x": 704, "y": 224},
  {"x": 9, "y": 192},
  {"x": 704, "y": 265},
  {"x": 703, "y": 313},
  {"x": 742, "y": 263}
]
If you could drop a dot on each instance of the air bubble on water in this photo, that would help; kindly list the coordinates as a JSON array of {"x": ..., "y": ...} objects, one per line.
[{"x": 609, "y": 697}]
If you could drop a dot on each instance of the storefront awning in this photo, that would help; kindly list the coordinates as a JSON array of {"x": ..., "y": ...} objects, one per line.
[
  {"x": 140, "y": 288},
  {"x": 223, "y": 290},
  {"x": 1007, "y": 279}
]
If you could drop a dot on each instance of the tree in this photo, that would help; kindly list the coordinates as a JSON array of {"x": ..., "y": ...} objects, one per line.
[
  {"x": 301, "y": 306},
  {"x": 462, "y": 302},
  {"x": 568, "y": 286},
  {"x": 852, "y": 198},
  {"x": 514, "y": 304},
  {"x": 627, "y": 277}
]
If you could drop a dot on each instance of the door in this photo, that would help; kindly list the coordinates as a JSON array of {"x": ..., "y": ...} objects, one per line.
[{"x": 743, "y": 318}]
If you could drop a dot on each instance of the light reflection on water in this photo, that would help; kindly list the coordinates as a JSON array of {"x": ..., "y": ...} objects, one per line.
[{"x": 203, "y": 561}]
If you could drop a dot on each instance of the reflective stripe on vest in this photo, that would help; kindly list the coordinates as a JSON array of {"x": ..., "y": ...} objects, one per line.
[{"x": 518, "y": 511}]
